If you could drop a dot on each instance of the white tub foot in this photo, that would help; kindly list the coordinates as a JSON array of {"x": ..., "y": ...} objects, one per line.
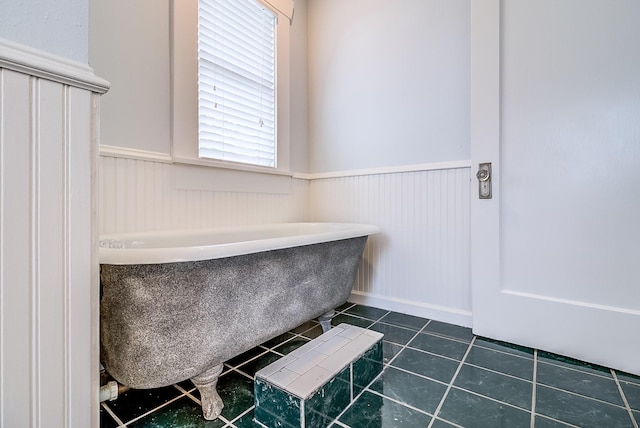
[
  {"x": 325, "y": 320},
  {"x": 206, "y": 383}
]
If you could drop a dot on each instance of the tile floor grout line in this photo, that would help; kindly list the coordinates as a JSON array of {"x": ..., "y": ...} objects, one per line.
[
  {"x": 633, "y": 381},
  {"x": 576, "y": 370},
  {"x": 363, "y": 317},
  {"x": 181, "y": 389},
  {"x": 443, "y": 336},
  {"x": 237, "y": 370},
  {"x": 484, "y": 348},
  {"x": 624, "y": 398},
  {"x": 193, "y": 398},
  {"x": 447, "y": 422},
  {"x": 302, "y": 336},
  {"x": 491, "y": 398},
  {"x": 372, "y": 322},
  {"x": 581, "y": 395},
  {"x": 281, "y": 343},
  {"x": 503, "y": 352},
  {"x": 498, "y": 372},
  {"x": 450, "y": 385},
  {"x": 433, "y": 353},
  {"x": 395, "y": 400},
  {"x": 345, "y": 309},
  {"x": 250, "y": 359},
  {"x": 533, "y": 388},
  {"x": 241, "y": 415},
  {"x": 401, "y": 369},
  {"x": 155, "y": 409},
  {"x": 401, "y": 326},
  {"x": 267, "y": 350},
  {"x": 559, "y": 421},
  {"x": 379, "y": 320},
  {"x": 116, "y": 419},
  {"x": 223, "y": 419},
  {"x": 406, "y": 345}
]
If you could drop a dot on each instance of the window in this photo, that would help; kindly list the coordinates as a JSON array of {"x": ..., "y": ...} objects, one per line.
[
  {"x": 185, "y": 115},
  {"x": 237, "y": 82}
]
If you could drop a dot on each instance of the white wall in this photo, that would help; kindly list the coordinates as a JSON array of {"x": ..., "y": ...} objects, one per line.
[
  {"x": 58, "y": 27},
  {"x": 388, "y": 83}
]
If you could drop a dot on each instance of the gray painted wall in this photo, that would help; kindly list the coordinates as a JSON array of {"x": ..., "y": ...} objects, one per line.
[
  {"x": 388, "y": 83},
  {"x": 58, "y": 27},
  {"x": 129, "y": 46}
]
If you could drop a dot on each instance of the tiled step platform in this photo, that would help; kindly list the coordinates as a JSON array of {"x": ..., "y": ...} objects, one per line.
[{"x": 312, "y": 385}]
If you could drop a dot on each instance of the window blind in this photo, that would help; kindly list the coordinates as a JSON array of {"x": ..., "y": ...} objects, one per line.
[{"x": 236, "y": 82}]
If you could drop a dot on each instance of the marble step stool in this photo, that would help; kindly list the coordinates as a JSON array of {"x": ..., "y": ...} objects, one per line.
[{"x": 312, "y": 385}]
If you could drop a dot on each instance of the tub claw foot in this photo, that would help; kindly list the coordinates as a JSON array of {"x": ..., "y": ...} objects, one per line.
[
  {"x": 325, "y": 320},
  {"x": 206, "y": 383}
]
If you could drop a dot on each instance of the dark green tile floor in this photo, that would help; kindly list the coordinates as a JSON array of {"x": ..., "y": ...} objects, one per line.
[{"x": 436, "y": 375}]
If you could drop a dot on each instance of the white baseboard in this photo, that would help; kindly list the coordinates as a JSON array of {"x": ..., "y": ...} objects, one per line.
[{"x": 437, "y": 313}]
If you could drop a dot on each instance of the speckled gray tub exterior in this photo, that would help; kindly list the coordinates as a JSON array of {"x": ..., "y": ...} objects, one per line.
[{"x": 164, "y": 323}]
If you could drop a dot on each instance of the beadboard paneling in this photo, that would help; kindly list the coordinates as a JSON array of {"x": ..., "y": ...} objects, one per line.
[
  {"x": 419, "y": 264},
  {"x": 48, "y": 272},
  {"x": 138, "y": 195}
]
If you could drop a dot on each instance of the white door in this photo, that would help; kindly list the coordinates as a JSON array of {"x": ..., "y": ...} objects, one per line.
[{"x": 556, "y": 110}]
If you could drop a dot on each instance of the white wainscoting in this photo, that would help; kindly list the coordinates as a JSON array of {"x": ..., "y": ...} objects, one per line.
[
  {"x": 139, "y": 195},
  {"x": 419, "y": 264},
  {"x": 48, "y": 258}
]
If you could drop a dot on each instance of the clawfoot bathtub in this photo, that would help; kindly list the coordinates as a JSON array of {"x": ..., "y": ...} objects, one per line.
[{"x": 177, "y": 305}]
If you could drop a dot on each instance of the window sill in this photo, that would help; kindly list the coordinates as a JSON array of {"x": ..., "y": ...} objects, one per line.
[{"x": 231, "y": 165}]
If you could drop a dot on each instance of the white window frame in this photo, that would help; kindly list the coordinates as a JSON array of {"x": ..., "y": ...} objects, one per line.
[
  {"x": 184, "y": 87},
  {"x": 237, "y": 82}
]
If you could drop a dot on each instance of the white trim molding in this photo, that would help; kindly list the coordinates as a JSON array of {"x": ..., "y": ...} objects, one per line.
[
  {"x": 434, "y": 166},
  {"x": 284, "y": 7},
  {"x": 36, "y": 63},
  {"x": 128, "y": 153}
]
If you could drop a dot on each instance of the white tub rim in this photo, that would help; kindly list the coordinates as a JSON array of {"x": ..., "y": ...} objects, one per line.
[{"x": 112, "y": 252}]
